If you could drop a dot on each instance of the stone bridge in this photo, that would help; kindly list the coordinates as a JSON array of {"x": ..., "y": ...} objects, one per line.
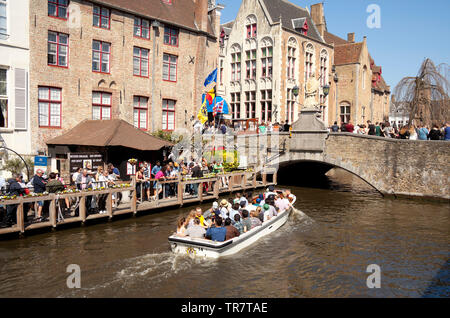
[{"x": 392, "y": 166}]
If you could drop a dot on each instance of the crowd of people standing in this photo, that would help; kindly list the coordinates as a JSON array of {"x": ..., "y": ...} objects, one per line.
[{"x": 385, "y": 129}]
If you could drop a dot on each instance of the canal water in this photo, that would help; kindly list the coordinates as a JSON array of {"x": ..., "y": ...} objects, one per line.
[{"x": 340, "y": 228}]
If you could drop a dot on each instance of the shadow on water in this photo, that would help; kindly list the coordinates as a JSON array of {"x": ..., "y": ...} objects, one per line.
[
  {"x": 440, "y": 285},
  {"x": 320, "y": 176}
]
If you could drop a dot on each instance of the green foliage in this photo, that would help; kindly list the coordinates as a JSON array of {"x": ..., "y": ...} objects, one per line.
[
  {"x": 169, "y": 136},
  {"x": 16, "y": 165},
  {"x": 230, "y": 159}
]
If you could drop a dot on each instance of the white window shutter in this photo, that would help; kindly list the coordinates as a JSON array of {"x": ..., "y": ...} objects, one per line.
[{"x": 20, "y": 99}]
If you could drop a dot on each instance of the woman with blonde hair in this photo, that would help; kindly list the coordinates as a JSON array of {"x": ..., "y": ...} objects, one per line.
[
  {"x": 412, "y": 132},
  {"x": 97, "y": 176},
  {"x": 181, "y": 226},
  {"x": 190, "y": 218}
]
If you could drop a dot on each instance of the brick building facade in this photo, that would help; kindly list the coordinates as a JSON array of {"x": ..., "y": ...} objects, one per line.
[
  {"x": 143, "y": 61},
  {"x": 271, "y": 47},
  {"x": 362, "y": 93}
]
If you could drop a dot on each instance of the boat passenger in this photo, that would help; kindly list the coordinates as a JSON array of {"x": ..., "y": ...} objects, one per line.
[
  {"x": 224, "y": 209},
  {"x": 234, "y": 211},
  {"x": 181, "y": 226},
  {"x": 196, "y": 230},
  {"x": 246, "y": 222},
  {"x": 231, "y": 230},
  {"x": 244, "y": 200},
  {"x": 238, "y": 224},
  {"x": 282, "y": 203},
  {"x": 216, "y": 232},
  {"x": 200, "y": 217},
  {"x": 211, "y": 212},
  {"x": 269, "y": 212},
  {"x": 190, "y": 218},
  {"x": 257, "y": 202},
  {"x": 270, "y": 191},
  {"x": 254, "y": 219},
  {"x": 260, "y": 214}
]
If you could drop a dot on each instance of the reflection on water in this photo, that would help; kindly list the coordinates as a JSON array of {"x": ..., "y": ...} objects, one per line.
[{"x": 322, "y": 251}]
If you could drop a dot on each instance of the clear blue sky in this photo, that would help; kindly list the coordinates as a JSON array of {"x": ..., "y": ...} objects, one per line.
[{"x": 411, "y": 30}]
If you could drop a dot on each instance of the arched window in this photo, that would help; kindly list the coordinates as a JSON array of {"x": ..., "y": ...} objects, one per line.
[
  {"x": 251, "y": 27},
  {"x": 364, "y": 75},
  {"x": 292, "y": 58},
  {"x": 345, "y": 112},
  {"x": 309, "y": 61},
  {"x": 323, "y": 68},
  {"x": 266, "y": 57},
  {"x": 235, "y": 63}
]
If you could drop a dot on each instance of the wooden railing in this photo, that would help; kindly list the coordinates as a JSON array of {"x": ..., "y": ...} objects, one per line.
[{"x": 236, "y": 181}]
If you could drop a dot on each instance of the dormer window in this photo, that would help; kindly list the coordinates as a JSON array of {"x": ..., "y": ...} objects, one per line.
[{"x": 301, "y": 25}]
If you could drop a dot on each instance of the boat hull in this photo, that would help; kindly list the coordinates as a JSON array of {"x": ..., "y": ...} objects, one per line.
[{"x": 209, "y": 249}]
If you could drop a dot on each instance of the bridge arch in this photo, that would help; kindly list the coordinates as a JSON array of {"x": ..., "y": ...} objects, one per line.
[{"x": 323, "y": 166}]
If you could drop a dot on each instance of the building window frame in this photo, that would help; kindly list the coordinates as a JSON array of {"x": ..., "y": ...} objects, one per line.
[
  {"x": 267, "y": 61},
  {"x": 59, "y": 45},
  {"x": 252, "y": 30},
  {"x": 4, "y": 30},
  {"x": 169, "y": 64},
  {"x": 266, "y": 105},
  {"x": 101, "y": 105},
  {"x": 140, "y": 105},
  {"x": 309, "y": 61},
  {"x": 101, "y": 54},
  {"x": 4, "y": 99},
  {"x": 101, "y": 16},
  {"x": 250, "y": 104},
  {"x": 250, "y": 64},
  {"x": 170, "y": 34},
  {"x": 58, "y": 5},
  {"x": 50, "y": 101},
  {"x": 166, "y": 111},
  {"x": 139, "y": 28},
  {"x": 290, "y": 105},
  {"x": 345, "y": 112},
  {"x": 292, "y": 59},
  {"x": 236, "y": 105},
  {"x": 236, "y": 66},
  {"x": 141, "y": 59}
]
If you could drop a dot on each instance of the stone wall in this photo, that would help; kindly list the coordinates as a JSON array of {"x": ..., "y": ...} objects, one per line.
[{"x": 392, "y": 166}]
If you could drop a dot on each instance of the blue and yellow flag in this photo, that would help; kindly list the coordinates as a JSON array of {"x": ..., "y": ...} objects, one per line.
[
  {"x": 212, "y": 78},
  {"x": 203, "y": 114}
]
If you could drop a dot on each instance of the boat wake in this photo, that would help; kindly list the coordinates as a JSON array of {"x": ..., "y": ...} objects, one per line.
[
  {"x": 299, "y": 216},
  {"x": 152, "y": 268}
]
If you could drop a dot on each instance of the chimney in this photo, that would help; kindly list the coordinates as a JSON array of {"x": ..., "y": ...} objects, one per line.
[
  {"x": 201, "y": 14},
  {"x": 351, "y": 37},
  {"x": 318, "y": 17}
]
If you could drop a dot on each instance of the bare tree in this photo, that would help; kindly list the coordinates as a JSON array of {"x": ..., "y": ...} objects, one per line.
[{"x": 426, "y": 96}]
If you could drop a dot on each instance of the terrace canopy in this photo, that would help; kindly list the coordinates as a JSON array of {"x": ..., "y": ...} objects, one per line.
[{"x": 115, "y": 139}]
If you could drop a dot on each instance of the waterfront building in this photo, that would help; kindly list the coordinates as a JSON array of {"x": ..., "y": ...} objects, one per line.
[
  {"x": 14, "y": 74},
  {"x": 398, "y": 112},
  {"x": 271, "y": 48},
  {"x": 142, "y": 61},
  {"x": 362, "y": 93}
]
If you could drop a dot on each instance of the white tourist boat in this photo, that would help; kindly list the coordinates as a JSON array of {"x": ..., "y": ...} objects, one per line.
[{"x": 210, "y": 249}]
